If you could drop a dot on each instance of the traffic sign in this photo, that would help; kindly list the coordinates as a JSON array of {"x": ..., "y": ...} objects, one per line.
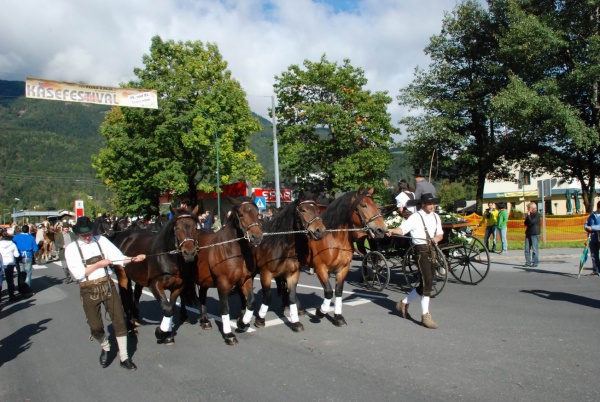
[{"x": 260, "y": 202}]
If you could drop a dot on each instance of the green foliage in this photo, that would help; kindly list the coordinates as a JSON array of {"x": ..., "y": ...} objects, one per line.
[
  {"x": 202, "y": 111},
  {"x": 551, "y": 103},
  {"x": 452, "y": 192},
  {"x": 334, "y": 135},
  {"x": 456, "y": 128}
]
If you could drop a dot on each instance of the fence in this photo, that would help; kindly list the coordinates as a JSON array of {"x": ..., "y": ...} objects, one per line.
[{"x": 558, "y": 228}]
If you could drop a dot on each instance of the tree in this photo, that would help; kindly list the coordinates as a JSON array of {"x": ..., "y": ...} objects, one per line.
[
  {"x": 334, "y": 134},
  {"x": 552, "y": 104},
  {"x": 456, "y": 125},
  {"x": 148, "y": 152}
]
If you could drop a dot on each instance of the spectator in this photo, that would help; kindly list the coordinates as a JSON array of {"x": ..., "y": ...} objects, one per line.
[
  {"x": 61, "y": 242},
  {"x": 490, "y": 217},
  {"x": 27, "y": 247},
  {"x": 216, "y": 226},
  {"x": 9, "y": 253},
  {"x": 503, "y": 226},
  {"x": 532, "y": 235},
  {"x": 592, "y": 226},
  {"x": 206, "y": 220}
]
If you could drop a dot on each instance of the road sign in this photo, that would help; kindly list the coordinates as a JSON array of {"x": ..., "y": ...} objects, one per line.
[{"x": 260, "y": 202}]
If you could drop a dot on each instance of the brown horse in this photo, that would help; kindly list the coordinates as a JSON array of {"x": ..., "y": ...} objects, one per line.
[
  {"x": 348, "y": 218},
  {"x": 279, "y": 253},
  {"x": 225, "y": 262},
  {"x": 168, "y": 252}
]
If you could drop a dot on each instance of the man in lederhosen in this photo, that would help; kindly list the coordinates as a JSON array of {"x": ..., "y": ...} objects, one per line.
[
  {"x": 88, "y": 259},
  {"x": 425, "y": 228}
]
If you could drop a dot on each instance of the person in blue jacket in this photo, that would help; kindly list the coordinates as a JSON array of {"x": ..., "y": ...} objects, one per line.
[
  {"x": 27, "y": 248},
  {"x": 592, "y": 226}
]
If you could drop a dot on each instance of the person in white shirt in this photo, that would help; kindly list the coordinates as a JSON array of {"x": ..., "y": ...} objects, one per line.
[
  {"x": 88, "y": 259},
  {"x": 404, "y": 196},
  {"x": 425, "y": 228}
]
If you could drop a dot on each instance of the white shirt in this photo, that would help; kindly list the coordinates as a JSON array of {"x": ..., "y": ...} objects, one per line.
[
  {"x": 9, "y": 252},
  {"x": 39, "y": 235},
  {"x": 414, "y": 226},
  {"x": 76, "y": 265},
  {"x": 402, "y": 199}
]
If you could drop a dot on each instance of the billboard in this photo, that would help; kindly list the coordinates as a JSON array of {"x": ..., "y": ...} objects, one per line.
[{"x": 285, "y": 195}]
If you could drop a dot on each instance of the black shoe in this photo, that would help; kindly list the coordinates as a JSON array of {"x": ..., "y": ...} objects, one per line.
[
  {"x": 104, "y": 358},
  {"x": 129, "y": 365}
]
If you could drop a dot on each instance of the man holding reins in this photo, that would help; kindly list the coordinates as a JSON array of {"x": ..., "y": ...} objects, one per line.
[{"x": 425, "y": 228}]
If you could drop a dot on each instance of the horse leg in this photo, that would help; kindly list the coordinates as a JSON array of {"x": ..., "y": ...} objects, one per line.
[
  {"x": 135, "y": 306},
  {"x": 265, "y": 282},
  {"x": 338, "y": 318},
  {"x": 204, "y": 321},
  {"x": 228, "y": 336},
  {"x": 292, "y": 283},
  {"x": 323, "y": 275},
  {"x": 243, "y": 322},
  {"x": 163, "y": 333}
]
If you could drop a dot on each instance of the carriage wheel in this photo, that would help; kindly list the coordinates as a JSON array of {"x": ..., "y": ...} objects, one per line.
[
  {"x": 470, "y": 263},
  {"x": 375, "y": 271},
  {"x": 412, "y": 275}
]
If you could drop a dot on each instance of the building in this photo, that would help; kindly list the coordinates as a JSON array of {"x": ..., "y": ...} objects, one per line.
[{"x": 565, "y": 198}]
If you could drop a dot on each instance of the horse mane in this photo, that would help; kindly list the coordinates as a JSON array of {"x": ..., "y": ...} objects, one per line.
[
  {"x": 337, "y": 213},
  {"x": 282, "y": 222}
]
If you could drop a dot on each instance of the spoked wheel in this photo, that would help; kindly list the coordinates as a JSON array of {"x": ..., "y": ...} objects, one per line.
[
  {"x": 470, "y": 263},
  {"x": 410, "y": 269},
  {"x": 375, "y": 271}
]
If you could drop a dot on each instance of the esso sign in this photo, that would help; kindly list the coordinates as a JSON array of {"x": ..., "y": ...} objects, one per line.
[
  {"x": 270, "y": 195},
  {"x": 78, "y": 208}
]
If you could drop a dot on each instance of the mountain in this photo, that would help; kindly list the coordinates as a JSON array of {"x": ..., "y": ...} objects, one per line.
[{"x": 45, "y": 157}]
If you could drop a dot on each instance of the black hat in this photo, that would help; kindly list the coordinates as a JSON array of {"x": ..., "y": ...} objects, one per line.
[
  {"x": 427, "y": 197},
  {"x": 420, "y": 173},
  {"x": 83, "y": 225}
]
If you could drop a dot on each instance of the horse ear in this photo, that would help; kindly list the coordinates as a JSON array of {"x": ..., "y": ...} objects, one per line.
[
  {"x": 195, "y": 210},
  {"x": 371, "y": 191},
  {"x": 361, "y": 189},
  {"x": 234, "y": 201}
]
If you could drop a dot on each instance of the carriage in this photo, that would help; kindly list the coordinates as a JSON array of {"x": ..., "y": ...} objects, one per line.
[{"x": 459, "y": 253}]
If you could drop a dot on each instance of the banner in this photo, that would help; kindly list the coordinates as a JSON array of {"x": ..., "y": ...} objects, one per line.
[
  {"x": 81, "y": 93},
  {"x": 285, "y": 195}
]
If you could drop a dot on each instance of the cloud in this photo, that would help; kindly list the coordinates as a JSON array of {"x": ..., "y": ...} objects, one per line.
[{"x": 101, "y": 42}]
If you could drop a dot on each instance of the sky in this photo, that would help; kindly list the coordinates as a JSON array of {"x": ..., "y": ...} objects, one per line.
[{"x": 101, "y": 42}]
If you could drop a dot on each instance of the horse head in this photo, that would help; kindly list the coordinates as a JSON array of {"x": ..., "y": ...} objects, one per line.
[
  {"x": 103, "y": 226},
  {"x": 307, "y": 212},
  {"x": 186, "y": 229},
  {"x": 366, "y": 214},
  {"x": 246, "y": 213}
]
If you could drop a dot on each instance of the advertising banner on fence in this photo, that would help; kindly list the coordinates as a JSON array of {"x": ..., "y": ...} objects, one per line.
[{"x": 37, "y": 88}]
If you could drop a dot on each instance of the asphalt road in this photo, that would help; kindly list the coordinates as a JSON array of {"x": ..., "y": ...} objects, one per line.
[{"x": 523, "y": 334}]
